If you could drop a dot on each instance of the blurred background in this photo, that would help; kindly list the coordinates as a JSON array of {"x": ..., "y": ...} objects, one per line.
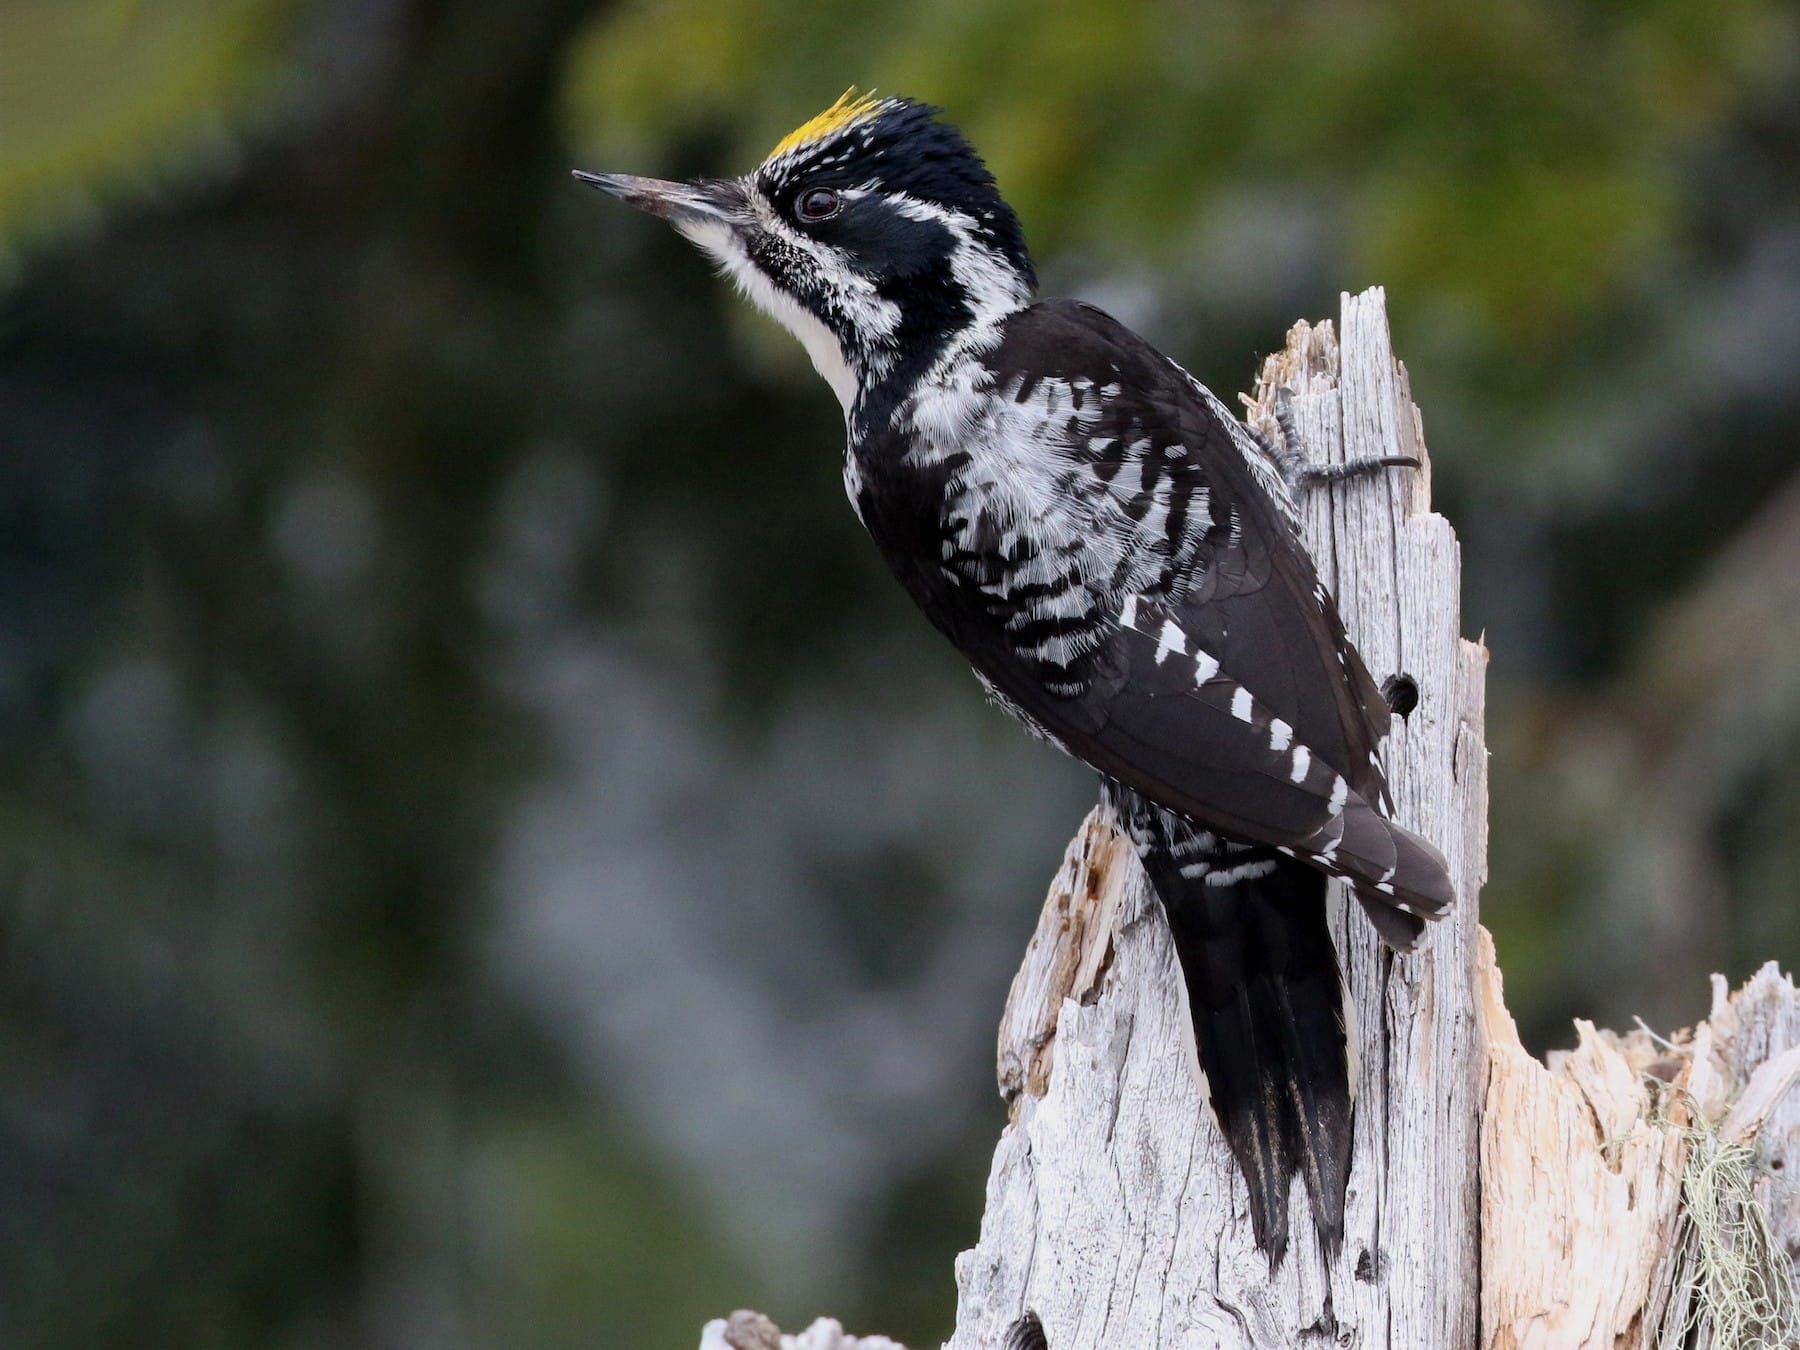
[{"x": 486, "y": 856}]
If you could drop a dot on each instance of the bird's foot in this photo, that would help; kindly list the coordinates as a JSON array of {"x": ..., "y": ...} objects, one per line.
[
  {"x": 1306, "y": 475},
  {"x": 1302, "y": 473}
]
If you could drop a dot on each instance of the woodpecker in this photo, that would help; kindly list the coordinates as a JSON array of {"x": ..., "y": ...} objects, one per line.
[{"x": 1117, "y": 557}]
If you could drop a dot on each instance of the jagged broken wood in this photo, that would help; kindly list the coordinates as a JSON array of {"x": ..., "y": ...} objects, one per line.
[
  {"x": 1114, "y": 1211},
  {"x": 1612, "y": 1200}
]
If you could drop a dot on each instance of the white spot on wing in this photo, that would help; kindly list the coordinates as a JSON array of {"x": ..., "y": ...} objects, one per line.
[
  {"x": 1302, "y": 762},
  {"x": 1281, "y": 735},
  {"x": 1340, "y": 793},
  {"x": 1241, "y": 704},
  {"x": 1171, "y": 640}
]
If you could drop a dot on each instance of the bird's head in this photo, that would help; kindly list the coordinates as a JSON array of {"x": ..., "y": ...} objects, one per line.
[{"x": 873, "y": 233}]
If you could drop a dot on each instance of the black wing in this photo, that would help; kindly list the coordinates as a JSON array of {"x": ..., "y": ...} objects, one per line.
[{"x": 1221, "y": 685}]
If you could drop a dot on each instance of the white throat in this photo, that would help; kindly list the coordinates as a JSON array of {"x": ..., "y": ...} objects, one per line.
[{"x": 722, "y": 243}]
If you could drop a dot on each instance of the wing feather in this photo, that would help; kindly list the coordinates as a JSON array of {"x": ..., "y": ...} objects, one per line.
[
  {"x": 1225, "y": 570},
  {"x": 1114, "y": 564}
]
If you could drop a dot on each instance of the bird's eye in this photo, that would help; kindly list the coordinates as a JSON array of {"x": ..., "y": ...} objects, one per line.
[{"x": 818, "y": 204}]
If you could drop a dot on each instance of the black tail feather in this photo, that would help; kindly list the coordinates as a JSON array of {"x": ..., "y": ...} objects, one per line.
[
  {"x": 1309, "y": 1015},
  {"x": 1401, "y": 929},
  {"x": 1267, "y": 1006},
  {"x": 1399, "y": 876}
]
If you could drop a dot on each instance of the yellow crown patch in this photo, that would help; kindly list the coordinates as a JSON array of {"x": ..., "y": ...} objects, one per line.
[{"x": 850, "y": 107}]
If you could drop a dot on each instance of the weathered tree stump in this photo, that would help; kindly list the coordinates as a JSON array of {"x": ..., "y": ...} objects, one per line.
[{"x": 1632, "y": 1194}]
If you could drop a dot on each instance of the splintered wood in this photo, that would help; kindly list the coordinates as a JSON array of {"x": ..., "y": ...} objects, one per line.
[
  {"x": 745, "y": 1330},
  {"x": 1065, "y": 957},
  {"x": 1631, "y": 1194},
  {"x": 1114, "y": 1211}
]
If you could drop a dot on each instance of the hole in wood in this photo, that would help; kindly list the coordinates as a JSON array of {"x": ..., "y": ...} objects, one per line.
[
  {"x": 1027, "y": 1334},
  {"x": 1401, "y": 693}
]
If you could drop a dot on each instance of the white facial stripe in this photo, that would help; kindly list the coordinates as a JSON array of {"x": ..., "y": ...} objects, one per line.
[
  {"x": 869, "y": 312},
  {"x": 993, "y": 287},
  {"x": 853, "y": 293},
  {"x": 721, "y": 242}
]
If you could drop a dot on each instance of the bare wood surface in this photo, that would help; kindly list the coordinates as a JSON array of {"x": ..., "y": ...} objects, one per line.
[
  {"x": 1630, "y": 1194},
  {"x": 745, "y": 1330},
  {"x": 1114, "y": 1211},
  {"x": 1633, "y": 1190}
]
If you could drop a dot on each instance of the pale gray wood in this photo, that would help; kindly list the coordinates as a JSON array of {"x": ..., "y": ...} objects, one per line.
[
  {"x": 745, "y": 1330},
  {"x": 1615, "y": 1176},
  {"x": 1114, "y": 1211},
  {"x": 1735, "y": 1088},
  {"x": 1493, "y": 1201}
]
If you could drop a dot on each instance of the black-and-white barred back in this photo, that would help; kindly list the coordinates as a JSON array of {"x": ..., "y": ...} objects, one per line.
[{"x": 1117, "y": 557}]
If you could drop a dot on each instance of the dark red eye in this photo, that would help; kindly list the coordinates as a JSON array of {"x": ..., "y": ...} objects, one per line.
[{"x": 818, "y": 204}]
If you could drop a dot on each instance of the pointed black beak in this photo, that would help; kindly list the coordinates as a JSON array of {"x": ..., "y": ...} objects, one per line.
[{"x": 679, "y": 203}]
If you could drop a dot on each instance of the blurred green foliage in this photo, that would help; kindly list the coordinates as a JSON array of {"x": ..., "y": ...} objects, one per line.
[
  {"x": 485, "y": 855},
  {"x": 1518, "y": 163},
  {"x": 102, "y": 99}
]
